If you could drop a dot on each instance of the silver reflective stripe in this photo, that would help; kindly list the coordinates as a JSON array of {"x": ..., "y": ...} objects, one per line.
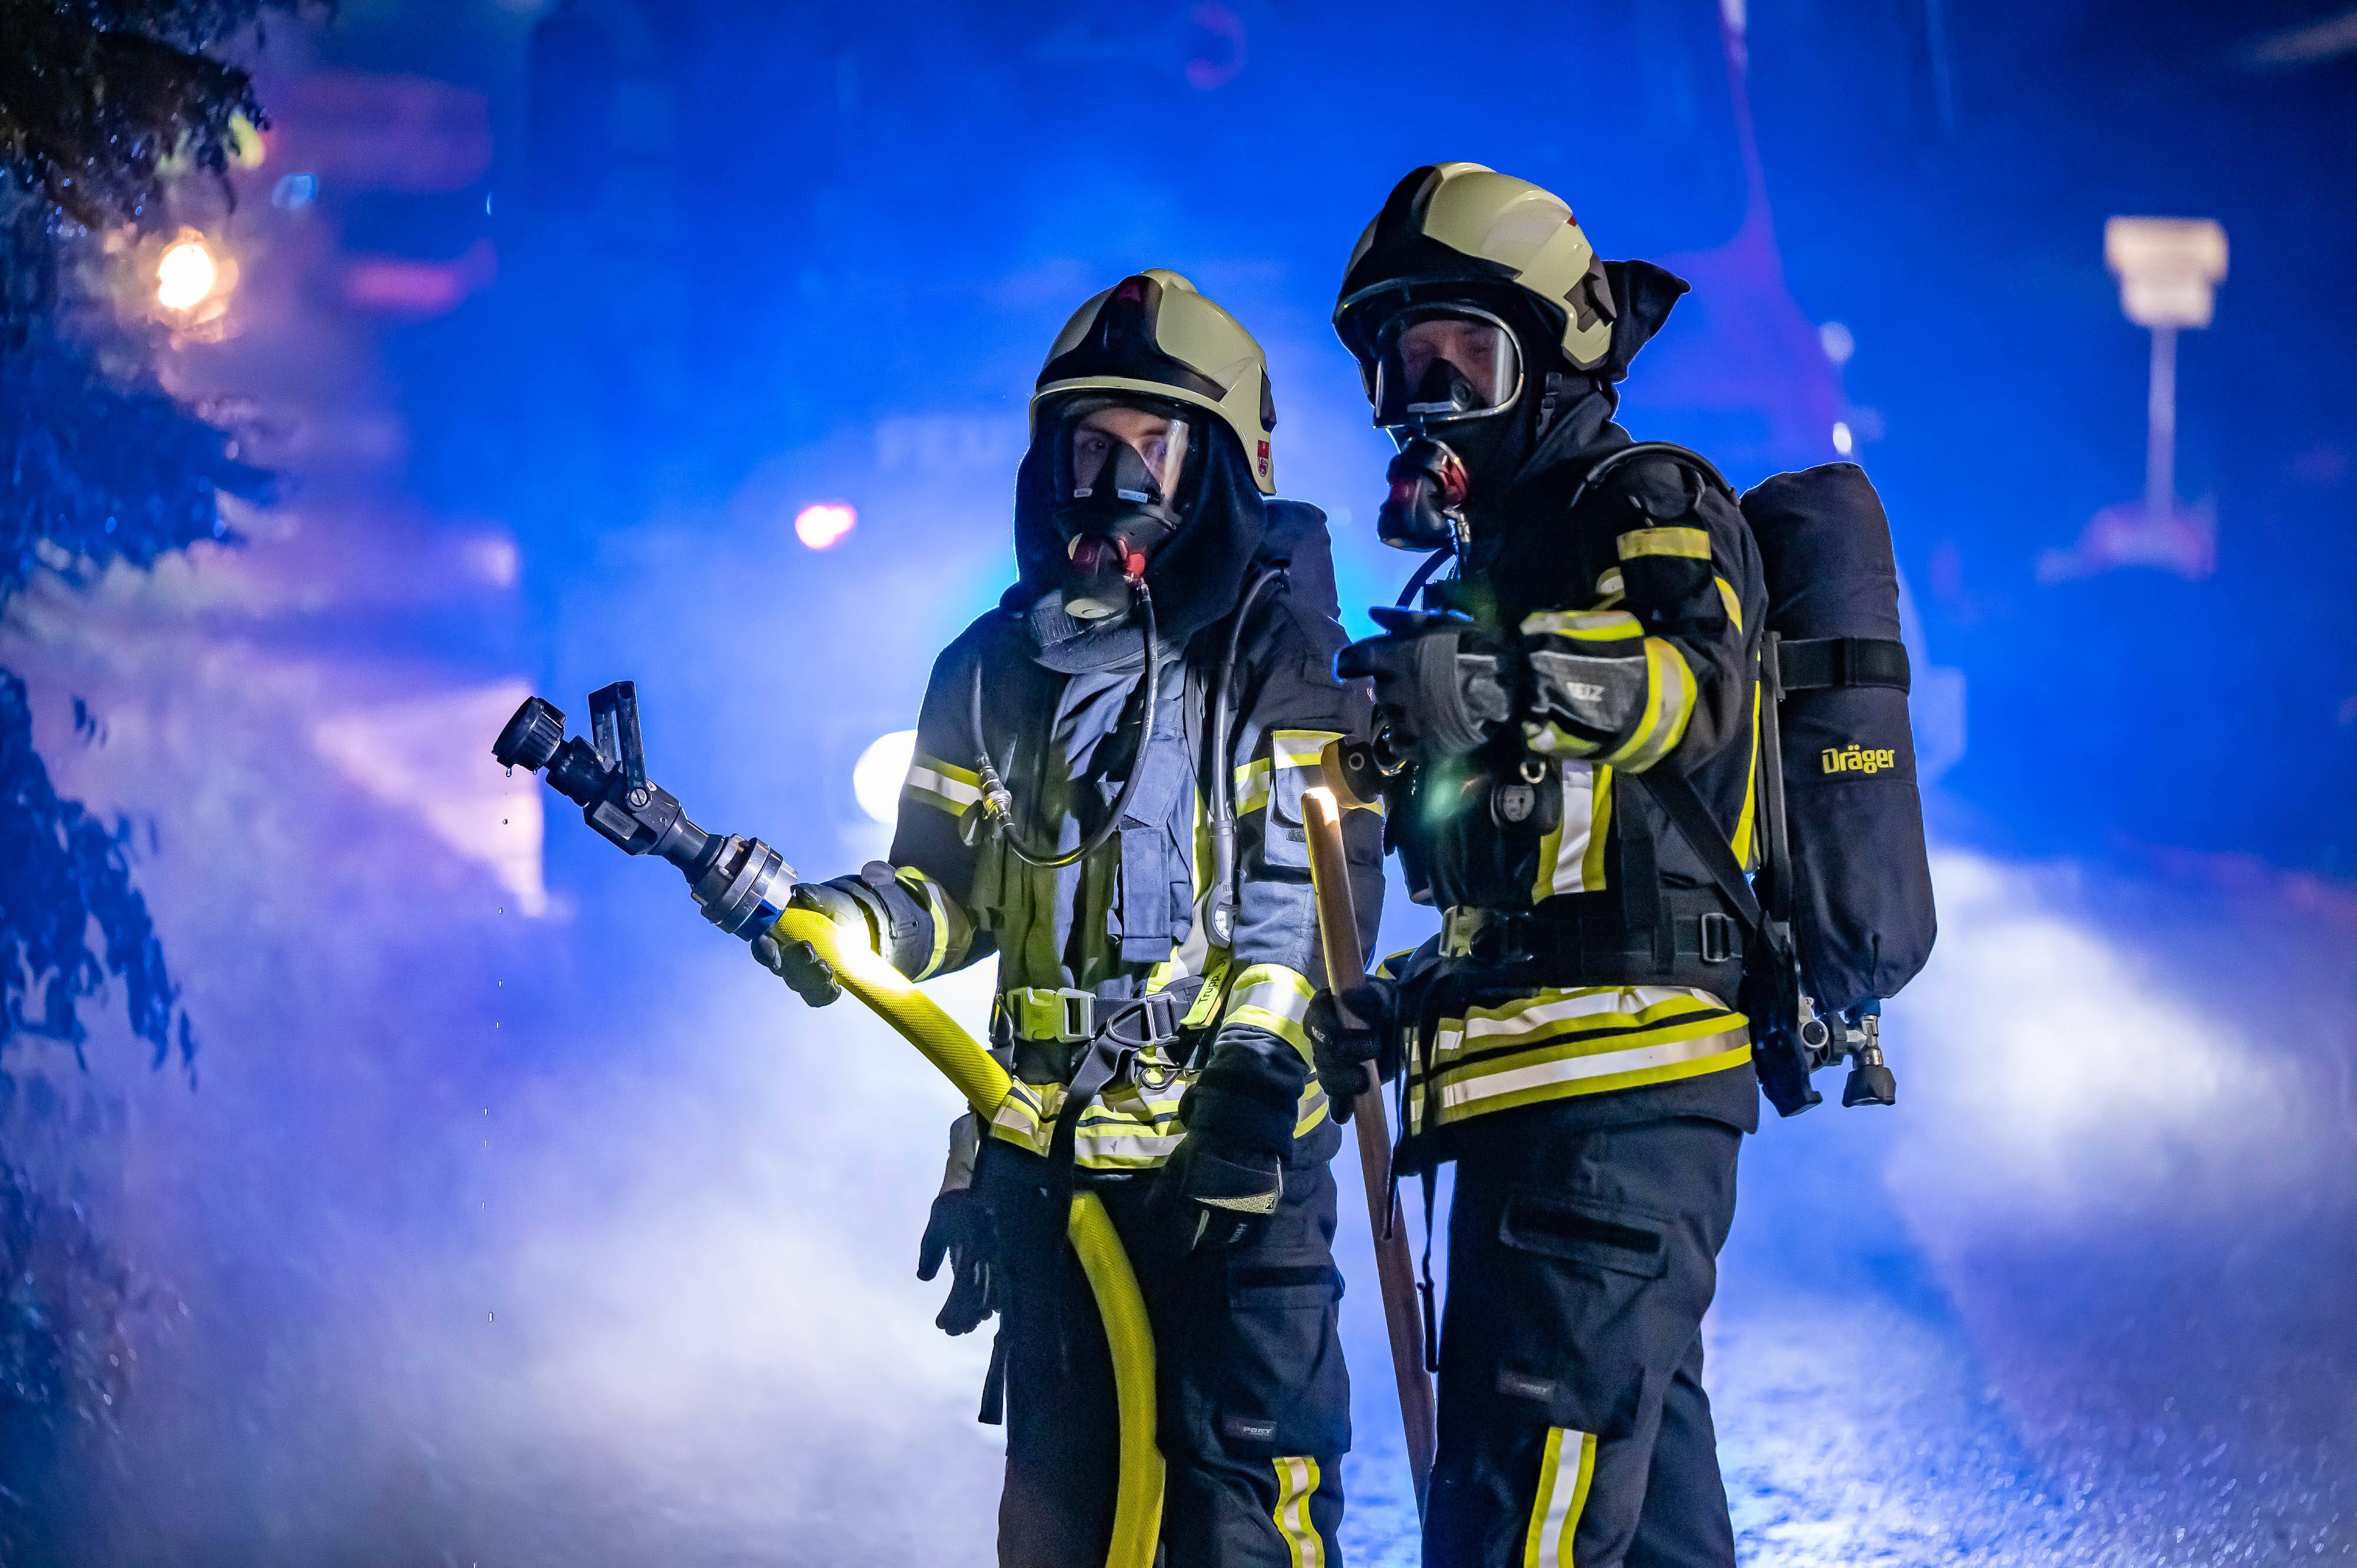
[
  {"x": 928, "y": 776},
  {"x": 1478, "y": 1086},
  {"x": 1566, "y": 1470}
]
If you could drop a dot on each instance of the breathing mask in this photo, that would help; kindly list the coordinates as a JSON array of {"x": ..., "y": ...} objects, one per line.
[
  {"x": 1121, "y": 471},
  {"x": 1445, "y": 375}
]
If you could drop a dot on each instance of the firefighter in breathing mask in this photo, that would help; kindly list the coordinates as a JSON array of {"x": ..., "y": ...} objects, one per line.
[
  {"x": 1106, "y": 799},
  {"x": 1567, "y": 726}
]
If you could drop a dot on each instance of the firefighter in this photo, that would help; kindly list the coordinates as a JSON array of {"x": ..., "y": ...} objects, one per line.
[
  {"x": 1574, "y": 703},
  {"x": 1106, "y": 798}
]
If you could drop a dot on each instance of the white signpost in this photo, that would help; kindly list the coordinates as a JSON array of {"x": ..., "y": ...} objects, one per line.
[{"x": 2169, "y": 269}]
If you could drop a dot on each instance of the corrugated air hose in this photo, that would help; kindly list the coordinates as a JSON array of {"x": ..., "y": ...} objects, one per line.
[{"x": 1137, "y": 1508}]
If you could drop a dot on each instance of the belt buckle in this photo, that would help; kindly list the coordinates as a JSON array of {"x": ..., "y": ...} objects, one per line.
[
  {"x": 1502, "y": 937},
  {"x": 1060, "y": 1013},
  {"x": 1717, "y": 936}
]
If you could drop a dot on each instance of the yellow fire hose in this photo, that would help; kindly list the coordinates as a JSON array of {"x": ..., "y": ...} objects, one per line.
[{"x": 1137, "y": 1506}]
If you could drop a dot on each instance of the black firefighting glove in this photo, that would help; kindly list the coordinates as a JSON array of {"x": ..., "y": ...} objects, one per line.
[
  {"x": 1443, "y": 683},
  {"x": 963, "y": 1229},
  {"x": 798, "y": 963},
  {"x": 1343, "y": 1052},
  {"x": 871, "y": 910},
  {"x": 982, "y": 1200},
  {"x": 1228, "y": 1175}
]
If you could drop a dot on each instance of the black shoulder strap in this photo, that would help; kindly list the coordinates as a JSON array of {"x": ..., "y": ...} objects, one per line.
[
  {"x": 1692, "y": 818},
  {"x": 1613, "y": 459},
  {"x": 1820, "y": 661}
]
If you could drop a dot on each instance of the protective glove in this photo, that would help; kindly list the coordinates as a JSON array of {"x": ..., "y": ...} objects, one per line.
[
  {"x": 1228, "y": 1174},
  {"x": 1207, "y": 1197},
  {"x": 1443, "y": 683},
  {"x": 963, "y": 1229},
  {"x": 1343, "y": 1052},
  {"x": 798, "y": 963}
]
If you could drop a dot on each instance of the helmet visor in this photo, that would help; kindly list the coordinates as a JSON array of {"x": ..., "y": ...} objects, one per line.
[
  {"x": 1435, "y": 364},
  {"x": 1121, "y": 444}
]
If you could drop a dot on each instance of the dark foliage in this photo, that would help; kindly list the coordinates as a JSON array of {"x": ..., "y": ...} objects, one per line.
[
  {"x": 102, "y": 102},
  {"x": 97, "y": 466},
  {"x": 61, "y": 870},
  {"x": 94, "y": 97}
]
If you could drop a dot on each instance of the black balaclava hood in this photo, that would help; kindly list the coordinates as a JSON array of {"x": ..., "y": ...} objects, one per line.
[
  {"x": 1196, "y": 577},
  {"x": 1514, "y": 536},
  {"x": 1577, "y": 405}
]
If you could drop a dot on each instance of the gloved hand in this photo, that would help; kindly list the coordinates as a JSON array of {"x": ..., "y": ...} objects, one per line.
[
  {"x": 1228, "y": 1174},
  {"x": 1342, "y": 1052},
  {"x": 798, "y": 963},
  {"x": 1208, "y": 1197},
  {"x": 963, "y": 1229},
  {"x": 1443, "y": 683}
]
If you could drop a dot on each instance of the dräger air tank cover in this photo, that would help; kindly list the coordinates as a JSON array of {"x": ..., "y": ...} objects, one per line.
[{"x": 1862, "y": 912}]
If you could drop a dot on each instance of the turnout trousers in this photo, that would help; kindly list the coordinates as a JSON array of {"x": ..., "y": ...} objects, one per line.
[
  {"x": 1574, "y": 1429},
  {"x": 1253, "y": 1397}
]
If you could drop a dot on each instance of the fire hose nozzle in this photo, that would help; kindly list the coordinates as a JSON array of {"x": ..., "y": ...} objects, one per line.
[{"x": 741, "y": 885}]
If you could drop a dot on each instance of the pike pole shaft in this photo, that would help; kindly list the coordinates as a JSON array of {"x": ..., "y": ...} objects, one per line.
[{"x": 1346, "y": 965}]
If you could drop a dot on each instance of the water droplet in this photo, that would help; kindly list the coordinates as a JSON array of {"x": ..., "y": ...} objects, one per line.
[{"x": 490, "y": 1318}]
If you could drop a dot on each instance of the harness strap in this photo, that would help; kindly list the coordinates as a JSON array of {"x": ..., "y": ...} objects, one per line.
[
  {"x": 1423, "y": 1282},
  {"x": 994, "y": 1383},
  {"x": 1816, "y": 662},
  {"x": 1675, "y": 794}
]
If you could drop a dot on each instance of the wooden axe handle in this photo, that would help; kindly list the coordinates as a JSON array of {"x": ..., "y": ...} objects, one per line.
[{"x": 1346, "y": 966}]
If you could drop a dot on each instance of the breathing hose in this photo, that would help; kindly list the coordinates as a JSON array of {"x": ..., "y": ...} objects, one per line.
[
  {"x": 998, "y": 801},
  {"x": 1137, "y": 1504}
]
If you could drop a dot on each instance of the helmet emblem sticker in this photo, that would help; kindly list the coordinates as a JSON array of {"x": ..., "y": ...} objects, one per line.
[{"x": 1264, "y": 459}]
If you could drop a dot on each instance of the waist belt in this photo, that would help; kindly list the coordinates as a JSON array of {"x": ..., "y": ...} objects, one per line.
[
  {"x": 1586, "y": 939},
  {"x": 1052, "y": 1026}
]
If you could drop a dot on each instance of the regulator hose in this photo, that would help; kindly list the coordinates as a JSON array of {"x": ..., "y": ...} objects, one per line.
[
  {"x": 998, "y": 801},
  {"x": 1137, "y": 1504}
]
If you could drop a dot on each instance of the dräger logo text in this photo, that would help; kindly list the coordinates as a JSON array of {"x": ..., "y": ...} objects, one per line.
[{"x": 1856, "y": 758}]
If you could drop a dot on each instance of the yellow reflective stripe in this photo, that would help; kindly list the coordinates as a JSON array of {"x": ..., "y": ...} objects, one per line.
[
  {"x": 1288, "y": 748},
  {"x": 1272, "y": 997},
  {"x": 1548, "y": 740},
  {"x": 1566, "y": 849},
  {"x": 1128, "y": 1132},
  {"x": 1561, "y": 1043},
  {"x": 1566, "y": 1471},
  {"x": 1591, "y": 864},
  {"x": 1313, "y": 1110},
  {"x": 1584, "y": 626},
  {"x": 1296, "y": 1481},
  {"x": 1669, "y": 705},
  {"x": 1393, "y": 967},
  {"x": 951, "y": 930},
  {"x": 1577, "y": 1067},
  {"x": 1687, "y": 543},
  {"x": 1021, "y": 1117},
  {"x": 940, "y": 784},
  {"x": 1742, "y": 841},
  {"x": 1533, "y": 1019},
  {"x": 1215, "y": 985},
  {"x": 1734, "y": 606}
]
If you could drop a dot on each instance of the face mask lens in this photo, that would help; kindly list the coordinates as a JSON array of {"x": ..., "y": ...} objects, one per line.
[
  {"x": 1443, "y": 365},
  {"x": 1156, "y": 443}
]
